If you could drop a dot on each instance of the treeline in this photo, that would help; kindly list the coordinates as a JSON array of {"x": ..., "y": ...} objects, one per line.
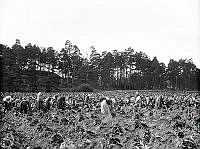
[{"x": 32, "y": 68}]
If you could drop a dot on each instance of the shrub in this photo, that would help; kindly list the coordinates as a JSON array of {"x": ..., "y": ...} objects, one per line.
[{"x": 84, "y": 88}]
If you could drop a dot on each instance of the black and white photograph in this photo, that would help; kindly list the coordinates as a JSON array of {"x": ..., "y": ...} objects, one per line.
[{"x": 99, "y": 74}]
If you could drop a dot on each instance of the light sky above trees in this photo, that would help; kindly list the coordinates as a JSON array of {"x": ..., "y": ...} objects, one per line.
[{"x": 163, "y": 28}]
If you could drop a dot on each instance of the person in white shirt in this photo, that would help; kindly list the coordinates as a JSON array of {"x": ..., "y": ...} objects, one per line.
[
  {"x": 38, "y": 96},
  {"x": 138, "y": 100},
  {"x": 106, "y": 106},
  {"x": 39, "y": 101},
  {"x": 7, "y": 98},
  {"x": 157, "y": 103},
  {"x": 7, "y": 102},
  {"x": 106, "y": 109}
]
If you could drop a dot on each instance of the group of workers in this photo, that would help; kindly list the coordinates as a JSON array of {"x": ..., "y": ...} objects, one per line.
[
  {"x": 25, "y": 105},
  {"x": 107, "y": 105}
]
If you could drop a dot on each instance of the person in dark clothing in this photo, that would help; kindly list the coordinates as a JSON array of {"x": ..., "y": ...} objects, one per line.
[
  {"x": 61, "y": 103},
  {"x": 161, "y": 102},
  {"x": 25, "y": 106},
  {"x": 47, "y": 106}
]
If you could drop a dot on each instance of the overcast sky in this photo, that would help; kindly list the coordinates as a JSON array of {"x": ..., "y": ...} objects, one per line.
[{"x": 163, "y": 28}]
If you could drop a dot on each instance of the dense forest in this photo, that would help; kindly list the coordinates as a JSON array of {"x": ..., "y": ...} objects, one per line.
[{"x": 33, "y": 68}]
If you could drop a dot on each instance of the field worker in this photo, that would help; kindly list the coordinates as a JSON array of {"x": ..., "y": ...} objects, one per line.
[
  {"x": 147, "y": 98},
  {"x": 88, "y": 98},
  {"x": 161, "y": 101},
  {"x": 88, "y": 101},
  {"x": 67, "y": 100},
  {"x": 25, "y": 106},
  {"x": 132, "y": 99},
  {"x": 143, "y": 101},
  {"x": 12, "y": 102},
  {"x": 47, "y": 104},
  {"x": 38, "y": 96},
  {"x": 61, "y": 103},
  {"x": 32, "y": 102},
  {"x": 70, "y": 100},
  {"x": 126, "y": 100},
  {"x": 39, "y": 101},
  {"x": 169, "y": 102},
  {"x": 114, "y": 102},
  {"x": 106, "y": 105},
  {"x": 106, "y": 109},
  {"x": 138, "y": 99},
  {"x": 7, "y": 103},
  {"x": 73, "y": 102},
  {"x": 17, "y": 103},
  {"x": 157, "y": 103},
  {"x": 54, "y": 100}
]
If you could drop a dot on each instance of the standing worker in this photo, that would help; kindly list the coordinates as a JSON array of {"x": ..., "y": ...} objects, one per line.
[
  {"x": 25, "y": 106},
  {"x": 39, "y": 101},
  {"x": 106, "y": 109},
  {"x": 105, "y": 106},
  {"x": 138, "y": 100},
  {"x": 61, "y": 104},
  {"x": 48, "y": 104}
]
